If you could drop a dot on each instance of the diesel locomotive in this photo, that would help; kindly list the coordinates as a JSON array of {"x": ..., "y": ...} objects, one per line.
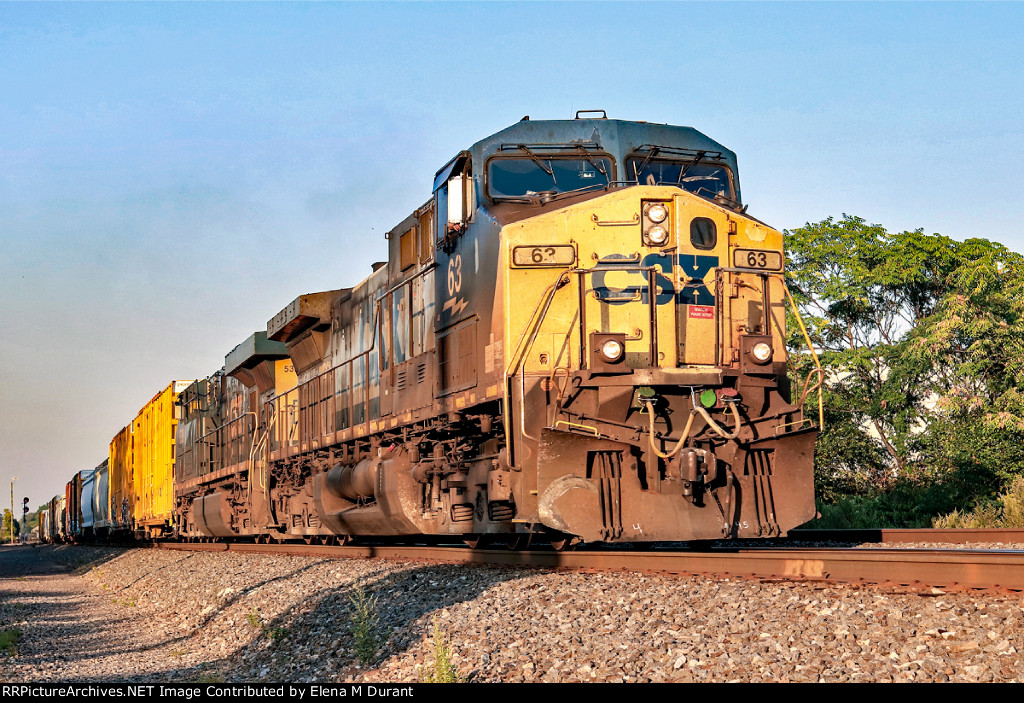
[{"x": 580, "y": 336}]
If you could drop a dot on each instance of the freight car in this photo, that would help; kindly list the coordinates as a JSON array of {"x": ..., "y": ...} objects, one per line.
[
  {"x": 131, "y": 492},
  {"x": 44, "y": 523},
  {"x": 580, "y": 336}
]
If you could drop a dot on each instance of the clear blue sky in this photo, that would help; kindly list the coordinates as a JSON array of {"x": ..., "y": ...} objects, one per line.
[{"x": 172, "y": 175}]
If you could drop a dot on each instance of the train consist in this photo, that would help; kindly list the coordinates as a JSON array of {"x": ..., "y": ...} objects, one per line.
[
  {"x": 580, "y": 336},
  {"x": 131, "y": 492}
]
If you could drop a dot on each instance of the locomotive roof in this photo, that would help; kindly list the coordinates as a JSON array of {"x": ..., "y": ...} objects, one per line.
[{"x": 617, "y": 137}]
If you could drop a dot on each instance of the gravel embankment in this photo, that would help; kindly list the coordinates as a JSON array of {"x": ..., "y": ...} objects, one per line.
[{"x": 152, "y": 615}]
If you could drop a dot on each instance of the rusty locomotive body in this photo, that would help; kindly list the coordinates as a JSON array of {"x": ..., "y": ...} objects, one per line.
[{"x": 580, "y": 336}]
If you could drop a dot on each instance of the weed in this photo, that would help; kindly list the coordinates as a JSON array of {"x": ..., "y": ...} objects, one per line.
[
  {"x": 366, "y": 628},
  {"x": 442, "y": 670},
  {"x": 274, "y": 634},
  {"x": 212, "y": 677},
  {"x": 8, "y": 638},
  {"x": 254, "y": 619},
  {"x": 1006, "y": 512}
]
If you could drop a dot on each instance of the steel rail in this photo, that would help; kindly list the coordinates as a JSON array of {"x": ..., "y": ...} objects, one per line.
[
  {"x": 924, "y": 568},
  {"x": 902, "y": 536}
]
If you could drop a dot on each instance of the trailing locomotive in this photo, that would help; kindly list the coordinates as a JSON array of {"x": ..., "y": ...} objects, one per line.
[{"x": 580, "y": 336}]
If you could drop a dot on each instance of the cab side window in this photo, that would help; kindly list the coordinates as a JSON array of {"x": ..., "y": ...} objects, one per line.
[{"x": 454, "y": 198}]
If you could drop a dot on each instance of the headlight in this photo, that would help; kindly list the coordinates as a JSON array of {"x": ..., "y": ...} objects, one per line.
[
  {"x": 611, "y": 351},
  {"x": 762, "y": 352},
  {"x": 657, "y": 235},
  {"x": 657, "y": 213}
]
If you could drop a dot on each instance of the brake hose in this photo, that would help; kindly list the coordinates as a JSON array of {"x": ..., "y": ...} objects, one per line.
[{"x": 697, "y": 408}]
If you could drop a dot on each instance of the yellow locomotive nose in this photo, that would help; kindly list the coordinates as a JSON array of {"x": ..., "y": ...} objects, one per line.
[{"x": 663, "y": 284}]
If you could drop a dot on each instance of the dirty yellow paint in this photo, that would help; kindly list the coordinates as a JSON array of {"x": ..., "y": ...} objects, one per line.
[{"x": 610, "y": 228}]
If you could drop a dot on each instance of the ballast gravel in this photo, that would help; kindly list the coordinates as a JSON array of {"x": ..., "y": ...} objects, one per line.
[{"x": 144, "y": 615}]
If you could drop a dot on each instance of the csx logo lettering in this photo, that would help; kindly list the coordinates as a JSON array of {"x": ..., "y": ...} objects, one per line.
[{"x": 693, "y": 266}]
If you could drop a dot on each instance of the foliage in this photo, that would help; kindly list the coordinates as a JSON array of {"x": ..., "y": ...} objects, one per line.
[
  {"x": 442, "y": 670},
  {"x": 1007, "y": 512},
  {"x": 901, "y": 504},
  {"x": 274, "y": 634},
  {"x": 254, "y": 619},
  {"x": 5, "y": 529},
  {"x": 9, "y": 637},
  {"x": 922, "y": 341},
  {"x": 365, "y": 624}
]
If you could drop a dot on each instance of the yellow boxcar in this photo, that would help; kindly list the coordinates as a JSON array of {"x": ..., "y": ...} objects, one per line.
[
  {"x": 121, "y": 495},
  {"x": 153, "y": 460}
]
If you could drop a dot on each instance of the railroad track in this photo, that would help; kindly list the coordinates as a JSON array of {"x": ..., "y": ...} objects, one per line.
[
  {"x": 945, "y": 569},
  {"x": 900, "y": 536}
]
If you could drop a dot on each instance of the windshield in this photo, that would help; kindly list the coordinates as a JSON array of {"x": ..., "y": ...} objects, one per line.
[
  {"x": 709, "y": 179},
  {"x": 520, "y": 177}
]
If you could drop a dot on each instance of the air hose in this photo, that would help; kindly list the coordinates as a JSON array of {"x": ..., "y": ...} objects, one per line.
[{"x": 697, "y": 408}]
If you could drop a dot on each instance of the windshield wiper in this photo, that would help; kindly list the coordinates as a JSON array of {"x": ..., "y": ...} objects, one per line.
[
  {"x": 537, "y": 160},
  {"x": 546, "y": 196},
  {"x": 596, "y": 164},
  {"x": 691, "y": 164},
  {"x": 636, "y": 171}
]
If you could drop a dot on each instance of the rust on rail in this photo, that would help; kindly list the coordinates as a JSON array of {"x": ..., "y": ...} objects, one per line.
[
  {"x": 937, "y": 568},
  {"x": 917, "y": 535}
]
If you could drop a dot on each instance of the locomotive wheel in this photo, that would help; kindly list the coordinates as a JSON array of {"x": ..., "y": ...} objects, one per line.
[
  {"x": 564, "y": 544},
  {"x": 517, "y": 543},
  {"x": 474, "y": 541}
]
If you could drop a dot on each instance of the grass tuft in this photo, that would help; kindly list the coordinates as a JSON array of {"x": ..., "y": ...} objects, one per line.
[
  {"x": 9, "y": 637},
  {"x": 442, "y": 670},
  {"x": 365, "y": 624},
  {"x": 274, "y": 634}
]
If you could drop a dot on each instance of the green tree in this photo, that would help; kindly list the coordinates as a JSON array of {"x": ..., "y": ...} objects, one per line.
[
  {"x": 5, "y": 530},
  {"x": 922, "y": 339}
]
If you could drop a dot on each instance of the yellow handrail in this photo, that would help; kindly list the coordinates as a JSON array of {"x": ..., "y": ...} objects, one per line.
[{"x": 814, "y": 355}]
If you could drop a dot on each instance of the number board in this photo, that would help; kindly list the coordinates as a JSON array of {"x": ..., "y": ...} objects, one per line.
[
  {"x": 551, "y": 255},
  {"x": 757, "y": 259}
]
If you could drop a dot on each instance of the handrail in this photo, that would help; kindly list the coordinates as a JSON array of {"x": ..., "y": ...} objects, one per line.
[
  {"x": 814, "y": 355},
  {"x": 765, "y": 302},
  {"x": 533, "y": 325},
  {"x": 211, "y": 439},
  {"x": 311, "y": 392},
  {"x": 376, "y": 329}
]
